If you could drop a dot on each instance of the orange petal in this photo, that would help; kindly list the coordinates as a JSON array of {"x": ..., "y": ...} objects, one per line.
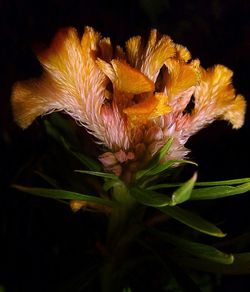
[
  {"x": 156, "y": 53},
  {"x": 134, "y": 50},
  {"x": 106, "y": 49},
  {"x": 126, "y": 78},
  {"x": 72, "y": 82},
  {"x": 107, "y": 69},
  {"x": 119, "y": 53},
  {"x": 215, "y": 89},
  {"x": 236, "y": 112},
  {"x": 150, "y": 108},
  {"x": 215, "y": 98},
  {"x": 63, "y": 59},
  {"x": 139, "y": 113},
  {"x": 90, "y": 40},
  {"x": 181, "y": 76},
  {"x": 33, "y": 98},
  {"x": 182, "y": 53},
  {"x": 162, "y": 107},
  {"x": 131, "y": 80}
]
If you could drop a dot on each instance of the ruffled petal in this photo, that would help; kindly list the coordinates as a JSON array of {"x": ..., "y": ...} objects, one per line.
[
  {"x": 215, "y": 98},
  {"x": 106, "y": 49},
  {"x": 180, "y": 77},
  {"x": 150, "y": 108},
  {"x": 72, "y": 82},
  {"x": 33, "y": 98},
  {"x": 125, "y": 78},
  {"x": 156, "y": 54},
  {"x": 215, "y": 90},
  {"x": 182, "y": 53},
  {"x": 64, "y": 61},
  {"x": 236, "y": 112},
  {"x": 134, "y": 51}
]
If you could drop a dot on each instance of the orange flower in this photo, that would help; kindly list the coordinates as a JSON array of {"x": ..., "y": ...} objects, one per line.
[{"x": 131, "y": 100}]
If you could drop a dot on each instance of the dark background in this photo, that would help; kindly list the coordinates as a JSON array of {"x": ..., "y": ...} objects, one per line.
[{"x": 41, "y": 238}]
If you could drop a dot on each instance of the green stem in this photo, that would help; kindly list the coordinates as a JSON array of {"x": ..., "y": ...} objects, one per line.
[{"x": 117, "y": 229}]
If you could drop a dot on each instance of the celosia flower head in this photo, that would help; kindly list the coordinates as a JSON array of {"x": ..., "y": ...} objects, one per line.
[{"x": 133, "y": 99}]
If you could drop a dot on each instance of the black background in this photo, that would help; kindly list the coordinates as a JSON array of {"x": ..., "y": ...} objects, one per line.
[{"x": 41, "y": 238}]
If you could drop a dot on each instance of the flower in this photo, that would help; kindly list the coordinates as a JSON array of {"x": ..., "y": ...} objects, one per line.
[{"x": 130, "y": 100}]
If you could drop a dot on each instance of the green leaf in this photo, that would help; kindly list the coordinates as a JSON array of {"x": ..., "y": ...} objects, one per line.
[
  {"x": 98, "y": 173},
  {"x": 164, "y": 150},
  {"x": 224, "y": 182},
  {"x": 166, "y": 165},
  {"x": 219, "y": 192},
  {"x": 160, "y": 167},
  {"x": 52, "y": 131},
  {"x": 90, "y": 163},
  {"x": 192, "y": 220},
  {"x": 66, "y": 195},
  {"x": 48, "y": 179},
  {"x": 163, "y": 186},
  {"x": 110, "y": 184},
  {"x": 183, "y": 193},
  {"x": 56, "y": 133},
  {"x": 199, "y": 250},
  {"x": 155, "y": 160},
  {"x": 149, "y": 198},
  {"x": 241, "y": 265},
  {"x": 211, "y": 183},
  {"x": 60, "y": 125},
  {"x": 181, "y": 279},
  {"x": 127, "y": 289}
]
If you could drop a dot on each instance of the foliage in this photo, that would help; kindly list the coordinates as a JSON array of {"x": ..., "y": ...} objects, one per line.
[{"x": 140, "y": 231}]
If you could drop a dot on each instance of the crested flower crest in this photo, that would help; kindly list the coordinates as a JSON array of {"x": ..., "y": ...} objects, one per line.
[{"x": 131, "y": 100}]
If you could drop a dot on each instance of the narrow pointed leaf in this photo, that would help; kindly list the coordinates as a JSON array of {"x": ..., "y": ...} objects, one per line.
[
  {"x": 156, "y": 159},
  {"x": 192, "y": 220},
  {"x": 183, "y": 193},
  {"x": 110, "y": 184},
  {"x": 66, "y": 195},
  {"x": 219, "y": 192},
  {"x": 160, "y": 167},
  {"x": 202, "y": 184},
  {"x": 48, "y": 179},
  {"x": 98, "y": 173},
  {"x": 240, "y": 266},
  {"x": 199, "y": 250},
  {"x": 90, "y": 163},
  {"x": 164, "y": 150},
  {"x": 164, "y": 186},
  {"x": 224, "y": 182},
  {"x": 149, "y": 198}
]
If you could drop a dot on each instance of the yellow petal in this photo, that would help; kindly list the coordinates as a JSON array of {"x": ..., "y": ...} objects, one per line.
[
  {"x": 150, "y": 108},
  {"x": 156, "y": 53},
  {"x": 72, "y": 82},
  {"x": 63, "y": 60},
  {"x": 236, "y": 112},
  {"x": 134, "y": 50},
  {"x": 180, "y": 77},
  {"x": 90, "y": 40},
  {"x": 215, "y": 89},
  {"x": 215, "y": 98},
  {"x": 107, "y": 69},
  {"x": 126, "y": 78},
  {"x": 182, "y": 53},
  {"x": 33, "y": 98},
  {"x": 139, "y": 113},
  {"x": 119, "y": 53},
  {"x": 162, "y": 107},
  {"x": 106, "y": 49}
]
